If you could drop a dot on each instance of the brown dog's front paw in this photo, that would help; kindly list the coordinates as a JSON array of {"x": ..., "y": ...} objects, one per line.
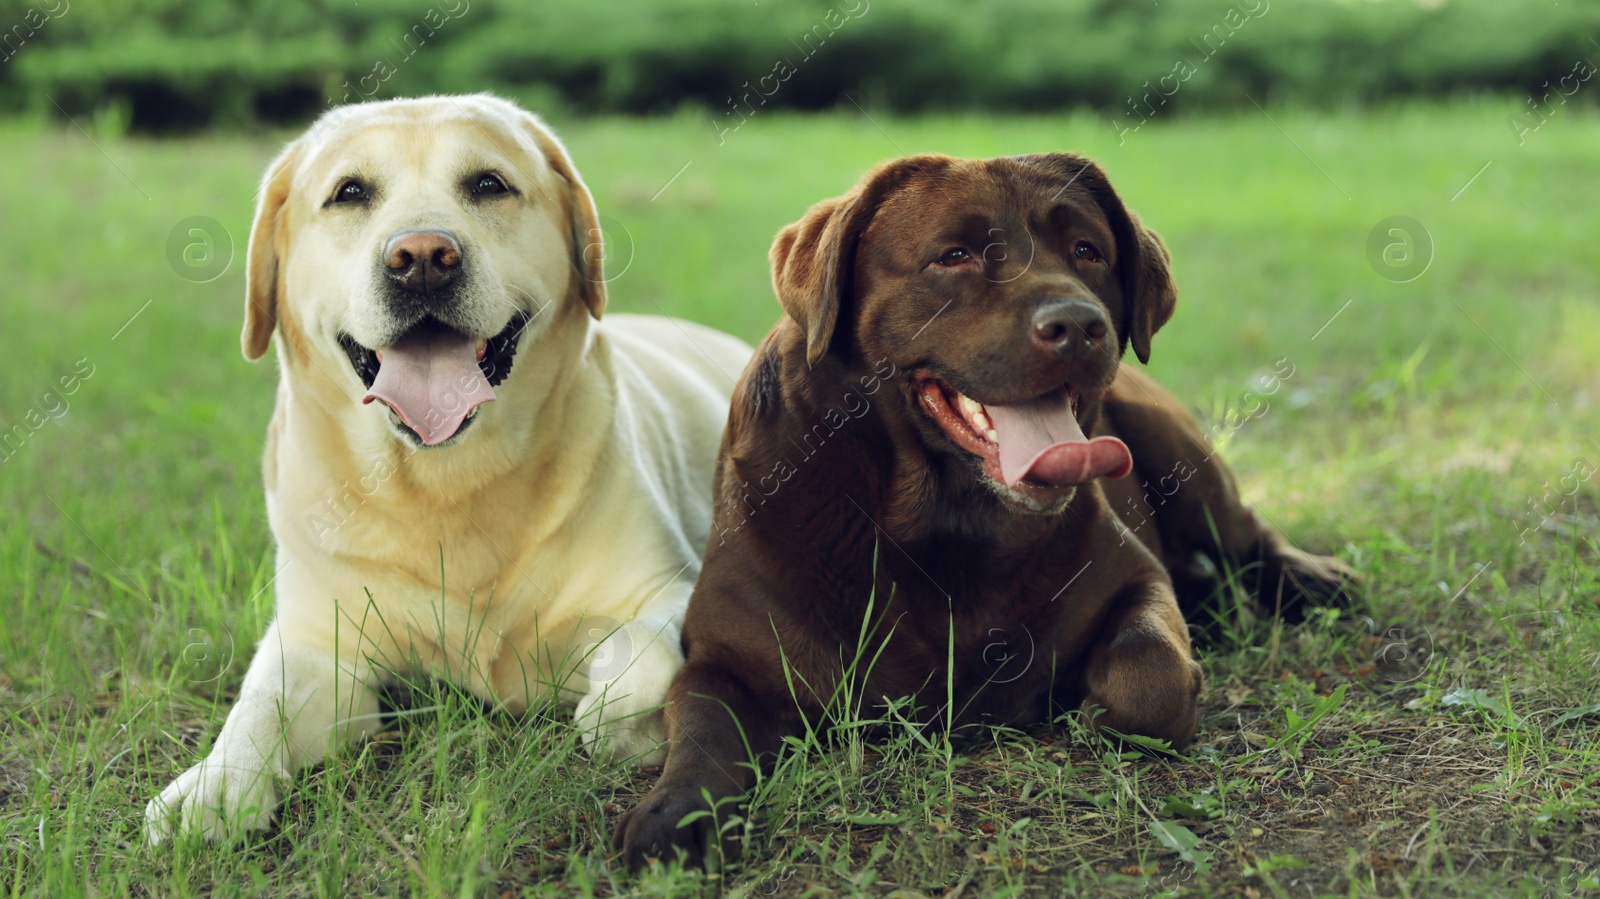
[{"x": 651, "y": 831}]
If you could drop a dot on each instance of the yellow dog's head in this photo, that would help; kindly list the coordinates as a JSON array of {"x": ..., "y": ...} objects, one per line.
[{"x": 406, "y": 250}]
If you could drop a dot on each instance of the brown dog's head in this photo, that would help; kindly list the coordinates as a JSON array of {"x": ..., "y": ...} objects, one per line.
[{"x": 1007, "y": 289}]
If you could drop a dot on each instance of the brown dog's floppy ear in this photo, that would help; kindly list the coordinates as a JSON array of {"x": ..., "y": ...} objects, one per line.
[
  {"x": 588, "y": 240},
  {"x": 813, "y": 260},
  {"x": 1149, "y": 294},
  {"x": 1153, "y": 295},
  {"x": 262, "y": 281},
  {"x": 806, "y": 270}
]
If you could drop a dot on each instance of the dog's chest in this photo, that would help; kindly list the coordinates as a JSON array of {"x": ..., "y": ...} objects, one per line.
[
  {"x": 1003, "y": 644},
  {"x": 460, "y": 596}
]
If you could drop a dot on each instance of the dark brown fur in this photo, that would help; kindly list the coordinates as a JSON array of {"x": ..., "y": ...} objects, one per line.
[{"x": 837, "y": 492}]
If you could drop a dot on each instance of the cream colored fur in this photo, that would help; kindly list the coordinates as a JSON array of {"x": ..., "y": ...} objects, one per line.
[{"x": 549, "y": 550}]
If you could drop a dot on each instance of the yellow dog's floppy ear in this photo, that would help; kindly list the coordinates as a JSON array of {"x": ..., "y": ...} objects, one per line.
[
  {"x": 588, "y": 240},
  {"x": 263, "y": 280},
  {"x": 1149, "y": 295},
  {"x": 813, "y": 260}
]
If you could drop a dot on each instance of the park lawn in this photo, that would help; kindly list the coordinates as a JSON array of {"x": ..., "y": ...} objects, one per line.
[{"x": 1431, "y": 433}]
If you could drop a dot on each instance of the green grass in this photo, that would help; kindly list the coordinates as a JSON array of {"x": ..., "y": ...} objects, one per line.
[{"x": 1422, "y": 431}]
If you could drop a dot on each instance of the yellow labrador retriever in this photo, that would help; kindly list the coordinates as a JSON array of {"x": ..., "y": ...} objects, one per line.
[{"x": 468, "y": 472}]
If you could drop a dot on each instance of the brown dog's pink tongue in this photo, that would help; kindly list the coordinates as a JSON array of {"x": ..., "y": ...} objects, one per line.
[
  {"x": 1042, "y": 438},
  {"x": 431, "y": 379}
]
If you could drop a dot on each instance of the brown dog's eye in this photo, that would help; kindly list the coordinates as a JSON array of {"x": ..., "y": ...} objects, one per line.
[
  {"x": 955, "y": 256},
  {"x": 350, "y": 192},
  {"x": 1087, "y": 252},
  {"x": 487, "y": 185}
]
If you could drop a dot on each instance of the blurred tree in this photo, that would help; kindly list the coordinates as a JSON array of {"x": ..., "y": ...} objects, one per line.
[{"x": 166, "y": 65}]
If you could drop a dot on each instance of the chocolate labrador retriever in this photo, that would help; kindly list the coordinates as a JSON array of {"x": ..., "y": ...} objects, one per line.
[{"x": 908, "y": 480}]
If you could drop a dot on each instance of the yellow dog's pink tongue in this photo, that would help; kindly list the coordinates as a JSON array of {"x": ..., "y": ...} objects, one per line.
[
  {"x": 431, "y": 379},
  {"x": 1042, "y": 439}
]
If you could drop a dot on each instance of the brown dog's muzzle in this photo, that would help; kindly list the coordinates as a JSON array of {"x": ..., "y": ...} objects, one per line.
[
  {"x": 1069, "y": 328},
  {"x": 1024, "y": 424}
]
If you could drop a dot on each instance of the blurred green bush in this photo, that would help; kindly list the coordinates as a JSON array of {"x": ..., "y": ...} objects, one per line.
[{"x": 161, "y": 65}]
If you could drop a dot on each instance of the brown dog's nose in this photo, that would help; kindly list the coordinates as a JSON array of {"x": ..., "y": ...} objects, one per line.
[
  {"x": 422, "y": 261},
  {"x": 1066, "y": 327}
]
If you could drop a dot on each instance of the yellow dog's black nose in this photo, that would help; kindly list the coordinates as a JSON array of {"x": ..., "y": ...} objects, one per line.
[{"x": 422, "y": 261}]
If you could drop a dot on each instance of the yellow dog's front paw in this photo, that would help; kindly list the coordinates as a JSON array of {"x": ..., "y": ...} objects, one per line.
[
  {"x": 619, "y": 718},
  {"x": 214, "y": 800}
]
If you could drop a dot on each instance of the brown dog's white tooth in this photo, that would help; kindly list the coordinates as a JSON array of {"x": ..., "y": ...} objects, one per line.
[
  {"x": 981, "y": 421},
  {"x": 968, "y": 404},
  {"x": 992, "y": 436}
]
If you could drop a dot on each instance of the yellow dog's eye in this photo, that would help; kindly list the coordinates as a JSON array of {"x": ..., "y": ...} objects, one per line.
[
  {"x": 350, "y": 192},
  {"x": 487, "y": 184}
]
